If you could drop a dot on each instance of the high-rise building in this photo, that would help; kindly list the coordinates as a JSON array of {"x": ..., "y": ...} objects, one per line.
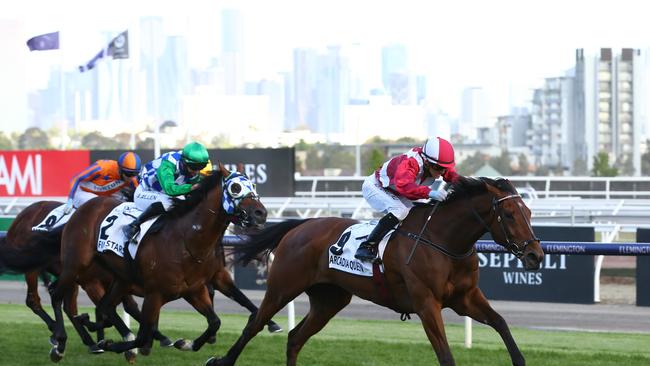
[
  {"x": 610, "y": 93},
  {"x": 233, "y": 50},
  {"x": 473, "y": 114},
  {"x": 305, "y": 69},
  {"x": 331, "y": 91},
  {"x": 550, "y": 136}
]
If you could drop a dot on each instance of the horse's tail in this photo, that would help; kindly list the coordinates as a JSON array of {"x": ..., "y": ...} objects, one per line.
[
  {"x": 264, "y": 241},
  {"x": 36, "y": 253}
]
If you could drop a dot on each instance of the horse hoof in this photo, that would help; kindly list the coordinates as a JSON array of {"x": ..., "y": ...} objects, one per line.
[
  {"x": 105, "y": 344},
  {"x": 145, "y": 351},
  {"x": 55, "y": 356},
  {"x": 274, "y": 328},
  {"x": 213, "y": 361},
  {"x": 130, "y": 356},
  {"x": 166, "y": 342},
  {"x": 183, "y": 345},
  {"x": 212, "y": 340},
  {"x": 95, "y": 349}
]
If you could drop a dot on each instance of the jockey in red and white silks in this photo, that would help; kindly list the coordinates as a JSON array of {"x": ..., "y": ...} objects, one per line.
[{"x": 393, "y": 187}]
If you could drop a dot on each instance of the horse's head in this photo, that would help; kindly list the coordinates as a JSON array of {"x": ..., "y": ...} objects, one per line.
[
  {"x": 511, "y": 226},
  {"x": 225, "y": 194},
  {"x": 501, "y": 211},
  {"x": 241, "y": 201}
]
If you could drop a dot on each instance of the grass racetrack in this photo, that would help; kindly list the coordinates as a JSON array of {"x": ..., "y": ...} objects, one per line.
[{"x": 344, "y": 342}]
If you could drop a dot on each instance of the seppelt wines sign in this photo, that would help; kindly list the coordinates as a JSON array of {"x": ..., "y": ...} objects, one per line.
[
  {"x": 39, "y": 173},
  {"x": 561, "y": 278}
]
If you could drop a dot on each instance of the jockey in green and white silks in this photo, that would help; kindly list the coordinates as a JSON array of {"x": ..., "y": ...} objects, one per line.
[{"x": 172, "y": 174}]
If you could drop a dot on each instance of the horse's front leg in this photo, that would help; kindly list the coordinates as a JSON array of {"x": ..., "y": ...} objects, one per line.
[
  {"x": 429, "y": 310},
  {"x": 201, "y": 301},
  {"x": 475, "y": 305},
  {"x": 224, "y": 283}
]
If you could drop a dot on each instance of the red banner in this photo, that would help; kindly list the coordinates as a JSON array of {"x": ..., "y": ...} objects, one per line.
[{"x": 40, "y": 173}]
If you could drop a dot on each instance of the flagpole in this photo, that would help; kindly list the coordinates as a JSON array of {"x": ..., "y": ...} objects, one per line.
[{"x": 62, "y": 99}]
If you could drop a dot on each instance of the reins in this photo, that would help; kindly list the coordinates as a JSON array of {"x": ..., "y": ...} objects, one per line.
[{"x": 418, "y": 238}]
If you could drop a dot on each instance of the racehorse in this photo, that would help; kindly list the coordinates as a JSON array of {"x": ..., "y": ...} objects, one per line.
[
  {"x": 429, "y": 265},
  {"x": 35, "y": 252},
  {"x": 176, "y": 261}
]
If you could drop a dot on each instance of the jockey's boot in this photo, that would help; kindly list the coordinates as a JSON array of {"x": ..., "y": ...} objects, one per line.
[
  {"x": 132, "y": 230},
  {"x": 368, "y": 249}
]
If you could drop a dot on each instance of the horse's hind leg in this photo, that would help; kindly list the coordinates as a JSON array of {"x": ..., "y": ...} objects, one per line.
[
  {"x": 131, "y": 307},
  {"x": 224, "y": 283},
  {"x": 325, "y": 301},
  {"x": 33, "y": 301},
  {"x": 476, "y": 306}
]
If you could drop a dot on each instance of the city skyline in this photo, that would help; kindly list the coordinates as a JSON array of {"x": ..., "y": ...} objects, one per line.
[{"x": 498, "y": 46}]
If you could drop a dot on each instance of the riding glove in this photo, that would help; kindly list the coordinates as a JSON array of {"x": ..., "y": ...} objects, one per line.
[
  {"x": 438, "y": 195},
  {"x": 68, "y": 207}
]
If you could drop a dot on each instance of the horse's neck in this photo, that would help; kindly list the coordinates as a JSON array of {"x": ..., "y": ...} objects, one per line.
[
  {"x": 207, "y": 227},
  {"x": 455, "y": 227}
]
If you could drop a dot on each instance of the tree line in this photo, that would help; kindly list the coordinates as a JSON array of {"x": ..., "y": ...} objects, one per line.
[{"x": 315, "y": 159}]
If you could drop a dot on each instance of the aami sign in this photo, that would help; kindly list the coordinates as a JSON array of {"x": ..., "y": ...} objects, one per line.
[{"x": 39, "y": 173}]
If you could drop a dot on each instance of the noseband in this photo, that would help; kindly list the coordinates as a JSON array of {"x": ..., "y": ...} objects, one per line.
[{"x": 517, "y": 249}]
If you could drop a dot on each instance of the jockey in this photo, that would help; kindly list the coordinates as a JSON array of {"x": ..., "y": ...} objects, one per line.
[
  {"x": 401, "y": 180},
  {"x": 172, "y": 174},
  {"x": 104, "y": 178}
]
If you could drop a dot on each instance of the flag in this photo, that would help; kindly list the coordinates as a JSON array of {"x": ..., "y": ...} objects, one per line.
[
  {"x": 44, "y": 42},
  {"x": 118, "y": 48}
]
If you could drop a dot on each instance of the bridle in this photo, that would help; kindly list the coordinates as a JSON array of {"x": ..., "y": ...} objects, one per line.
[{"x": 517, "y": 249}]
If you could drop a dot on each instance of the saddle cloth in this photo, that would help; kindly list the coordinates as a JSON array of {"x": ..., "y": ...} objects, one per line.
[
  {"x": 111, "y": 236},
  {"x": 341, "y": 253},
  {"x": 54, "y": 219}
]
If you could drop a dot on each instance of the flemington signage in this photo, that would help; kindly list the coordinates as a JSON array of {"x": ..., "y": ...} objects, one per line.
[{"x": 561, "y": 278}]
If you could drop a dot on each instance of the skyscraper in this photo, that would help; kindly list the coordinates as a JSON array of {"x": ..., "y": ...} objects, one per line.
[
  {"x": 232, "y": 27},
  {"x": 610, "y": 90}
]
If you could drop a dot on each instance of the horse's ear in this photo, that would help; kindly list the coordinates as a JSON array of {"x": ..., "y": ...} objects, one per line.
[{"x": 222, "y": 169}]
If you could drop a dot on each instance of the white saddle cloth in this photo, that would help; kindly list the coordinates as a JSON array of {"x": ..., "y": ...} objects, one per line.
[
  {"x": 111, "y": 236},
  {"x": 341, "y": 253},
  {"x": 54, "y": 219}
]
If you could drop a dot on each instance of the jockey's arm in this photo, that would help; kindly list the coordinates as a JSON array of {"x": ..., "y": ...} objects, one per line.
[
  {"x": 165, "y": 175},
  {"x": 87, "y": 174},
  {"x": 404, "y": 179}
]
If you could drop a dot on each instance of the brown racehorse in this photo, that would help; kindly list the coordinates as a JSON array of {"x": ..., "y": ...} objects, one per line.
[
  {"x": 175, "y": 262},
  {"x": 443, "y": 272},
  {"x": 32, "y": 252}
]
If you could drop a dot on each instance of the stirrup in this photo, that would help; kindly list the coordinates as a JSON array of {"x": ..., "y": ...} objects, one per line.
[{"x": 366, "y": 252}]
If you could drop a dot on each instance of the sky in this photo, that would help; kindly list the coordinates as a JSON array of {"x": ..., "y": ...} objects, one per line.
[{"x": 506, "y": 47}]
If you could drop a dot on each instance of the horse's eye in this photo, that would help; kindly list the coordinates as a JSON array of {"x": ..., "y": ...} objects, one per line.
[
  {"x": 508, "y": 215},
  {"x": 235, "y": 190}
]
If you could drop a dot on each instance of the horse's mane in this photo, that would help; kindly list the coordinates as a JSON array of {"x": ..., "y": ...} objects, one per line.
[
  {"x": 467, "y": 187},
  {"x": 182, "y": 206}
]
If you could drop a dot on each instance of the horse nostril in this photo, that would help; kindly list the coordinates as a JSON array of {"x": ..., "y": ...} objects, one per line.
[{"x": 260, "y": 214}]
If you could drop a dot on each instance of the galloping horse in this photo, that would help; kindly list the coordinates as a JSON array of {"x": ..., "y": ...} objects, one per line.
[
  {"x": 443, "y": 272},
  {"x": 33, "y": 252},
  {"x": 176, "y": 261}
]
